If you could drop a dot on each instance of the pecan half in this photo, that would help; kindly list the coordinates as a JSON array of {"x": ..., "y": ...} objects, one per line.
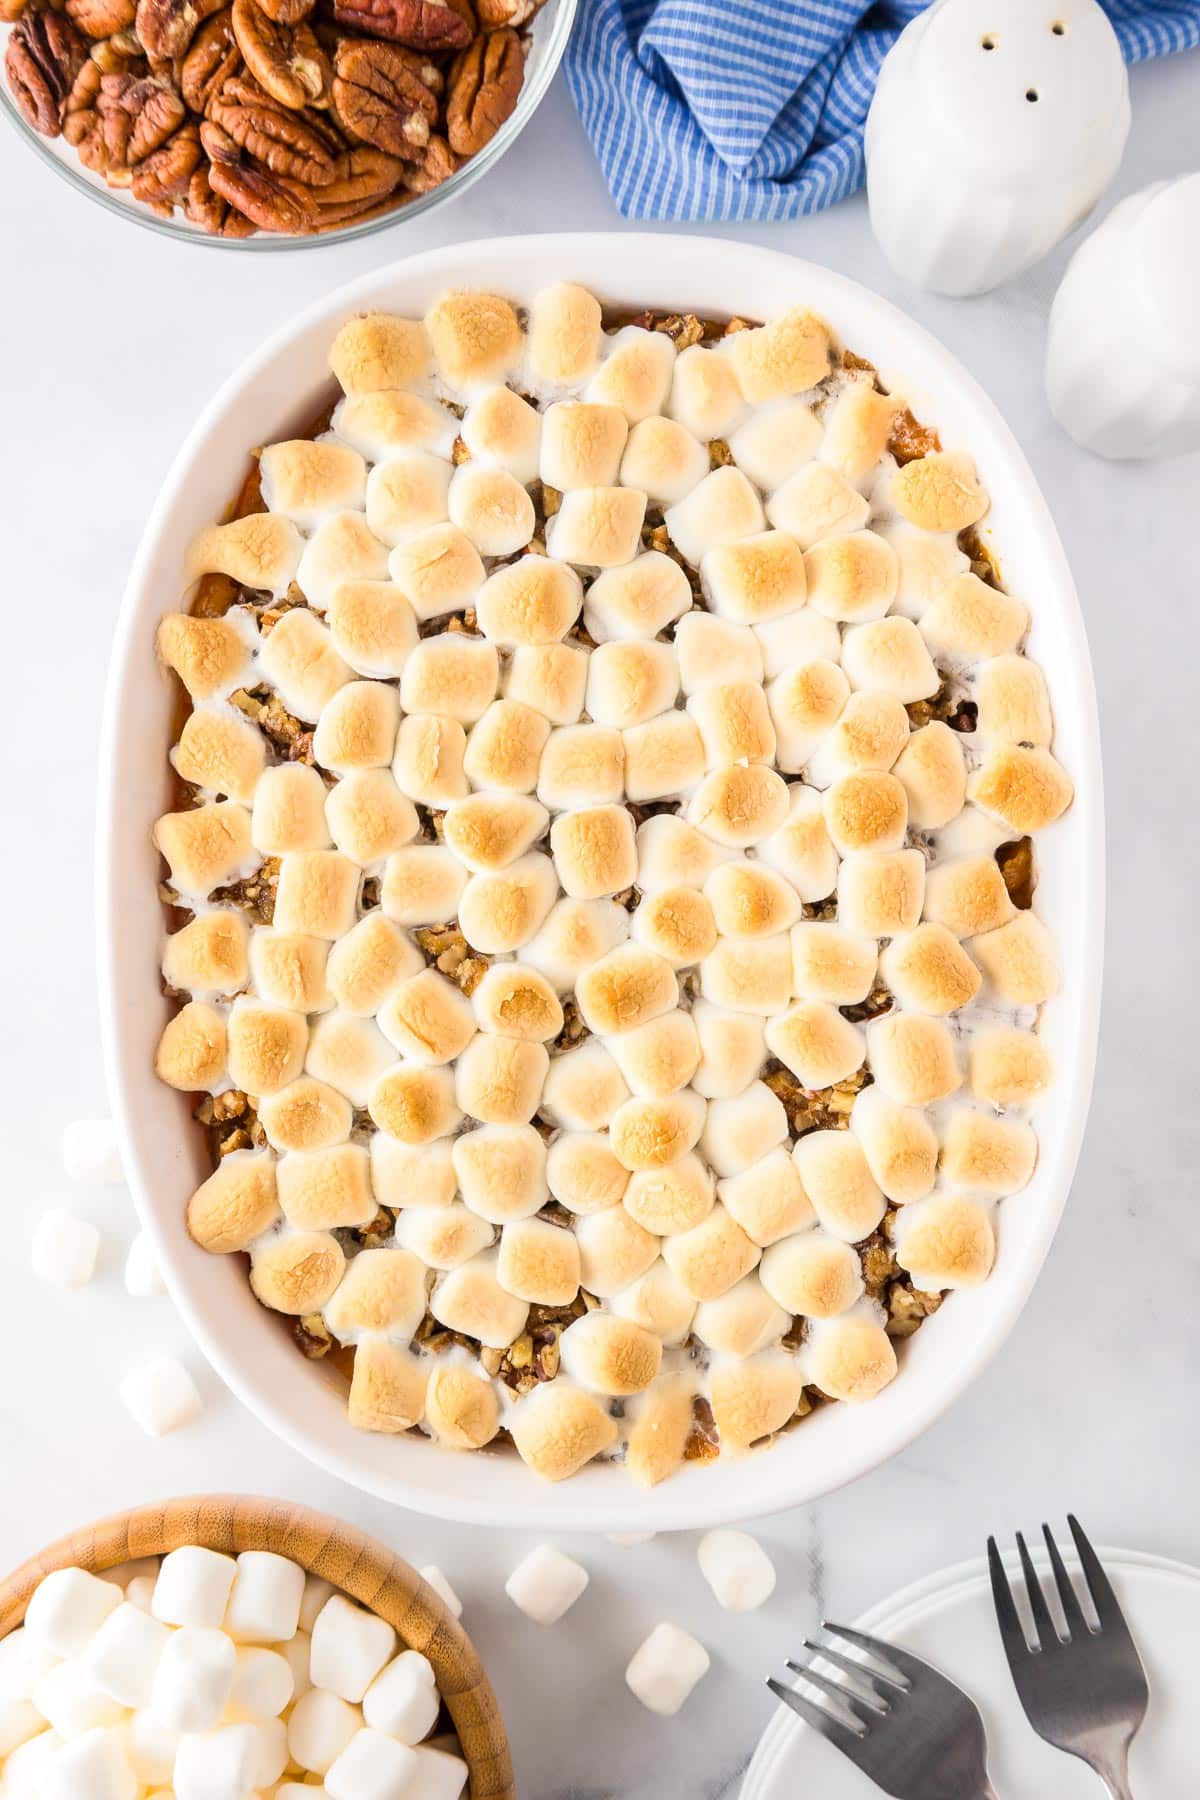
[
  {"x": 101, "y": 18},
  {"x": 213, "y": 57},
  {"x": 167, "y": 27},
  {"x": 440, "y": 163},
  {"x": 287, "y": 12},
  {"x": 380, "y": 99},
  {"x": 286, "y": 60},
  {"x": 45, "y": 53},
  {"x": 11, "y": 10},
  {"x": 213, "y": 214},
  {"x": 136, "y": 117},
  {"x": 294, "y": 144},
  {"x": 485, "y": 85},
  {"x": 494, "y": 13},
  {"x": 271, "y": 201},
  {"x": 422, "y": 24},
  {"x": 164, "y": 176}
]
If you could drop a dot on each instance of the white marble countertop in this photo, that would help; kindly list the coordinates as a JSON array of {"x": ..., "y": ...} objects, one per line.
[{"x": 113, "y": 340}]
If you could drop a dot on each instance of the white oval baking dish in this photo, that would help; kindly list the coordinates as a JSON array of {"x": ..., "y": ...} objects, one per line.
[{"x": 277, "y": 391}]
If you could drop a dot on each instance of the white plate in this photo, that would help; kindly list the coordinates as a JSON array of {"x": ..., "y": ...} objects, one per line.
[{"x": 948, "y": 1620}]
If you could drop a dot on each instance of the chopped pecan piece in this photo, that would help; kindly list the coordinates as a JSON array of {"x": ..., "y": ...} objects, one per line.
[
  {"x": 514, "y": 13},
  {"x": 286, "y": 60},
  {"x": 11, "y": 10},
  {"x": 214, "y": 56},
  {"x": 101, "y": 18},
  {"x": 380, "y": 99},
  {"x": 287, "y": 12},
  {"x": 295, "y": 144},
  {"x": 421, "y": 24},
  {"x": 440, "y": 163},
  {"x": 485, "y": 85},
  {"x": 167, "y": 27},
  {"x": 165, "y": 175},
  {"x": 44, "y": 55},
  {"x": 271, "y": 201}
]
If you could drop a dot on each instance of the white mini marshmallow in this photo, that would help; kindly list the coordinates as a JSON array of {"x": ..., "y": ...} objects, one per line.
[
  {"x": 23, "y": 1662},
  {"x": 319, "y": 1729},
  {"x": 441, "y": 1587},
  {"x": 67, "y": 1610},
  {"x": 143, "y": 1277},
  {"x": 372, "y": 1767},
  {"x": 193, "y": 1586},
  {"x": 20, "y": 1720},
  {"x": 271, "y": 1753},
  {"x": 28, "y": 1768},
  {"x": 70, "y": 1702},
  {"x": 263, "y": 1685},
  {"x": 403, "y": 1699},
  {"x": 546, "y": 1584},
  {"x": 90, "y": 1152},
  {"x": 93, "y": 1766},
  {"x": 628, "y": 1540},
  {"x": 217, "y": 1765},
  {"x": 151, "y": 1747},
  {"x": 316, "y": 1589},
  {"x": 663, "y": 1672},
  {"x": 440, "y": 1775},
  {"x": 194, "y": 1679},
  {"x": 295, "y": 1654},
  {"x": 161, "y": 1396},
  {"x": 737, "y": 1569},
  {"x": 140, "y": 1592},
  {"x": 349, "y": 1647},
  {"x": 64, "y": 1250},
  {"x": 124, "y": 1654},
  {"x": 264, "y": 1605}
]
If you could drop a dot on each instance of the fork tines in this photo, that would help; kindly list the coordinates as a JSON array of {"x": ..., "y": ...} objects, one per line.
[
  {"x": 858, "y": 1683},
  {"x": 1046, "y": 1633}
]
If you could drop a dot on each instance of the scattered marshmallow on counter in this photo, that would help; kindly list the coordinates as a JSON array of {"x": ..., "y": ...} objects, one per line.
[
  {"x": 663, "y": 1672},
  {"x": 737, "y": 1569},
  {"x": 91, "y": 1154},
  {"x": 161, "y": 1396},
  {"x": 441, "y": 1587},
  {"x": 143, "y": 1277},
  {"x": 546, "y": 1584},
  {"x": 64, "y": 1250}
]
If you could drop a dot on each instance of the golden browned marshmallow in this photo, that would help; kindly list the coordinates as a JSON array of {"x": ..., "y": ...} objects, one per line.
[
  {"x": 929, "y": 971},
  {"x": 734, "y": 723},
  {"x": 742, "y": 1321},
  {"x": 289, "y": 810},
  {"x": 857, "y": 428},
  {"x": 755, "y": 579},
  {"x": 492, "y": 507},
  {"x": 191, "y": 1051},
  {"x": 899, "y": 1143},
  {"x": 614, "y": 1250},
  {"x": 414, "y": 1104},
  {"x": 1009, "y": 1067},
  {"x": 576, "y": 934},
  {"x": 934, "y": 774},
  {"x": 307, "y": 479},
  {"x": 1026, "y": 788},
  {"x": 871, "y": 733},
  {"x": 946, "y": 1242},
  {"x": 889, "y": 656},
  {"x": 489, "y": 831},
  {"x": 660, "y": 1057},
  {"x": 648, "y": 1134},
  {"x": 1014, "y": 704},
  {"x": 739, "y": 806},
  {"x": 444, "y": 1237},
  {"x": 719, "y": 510},
  {"x": 429, "y": 759},
  {"x": 750, "y": 900},
  {"x": 880, "y": 891},
  {"x": 987, "y": 1155},
  {"x": 595, "y": 851},
  {"x": 867, "y": 811},
  {"x": 607, "y": 1355},
  {"x": 348, "y": 1052},
  {"x": 505, "y": 748},
  {"x": 928, "y": 560},
  {"x": 851, "y": 1359},
  {"x": 740, "y": 1130},
  {"x": 631, "y": 681},
  {"x": 805, "y": 702},
  {"x": 839, "y": 1184},
  {"x": 206, "y": 846},
  {"x": 637, "y": 601},
  {"x": 299, "y": 659},
  {"x": 317, "y": 893},
  {"x": 538, "y": 1262},
  {"x": 266, "y": 1045},
  {"x": 664, "y": 757},
  {"x": 342, "y": 548},
  {"x": 706, "y": 395},
  {"x": 437, "y": 570},
  {"x": 796, "y": 637},
  {"x": 557, "y": 1429},
  {"x": 369, "y": 817},
  {"x": 476, "y": 339},
  {"x": 382, "y": 1291},
  {"x": 662, "y": 1422},
  {"x": 322, "y": 1190},
  {"x": 427, "y": 1018},
  {"x": 583, "y": 1174},
  {"x": 581, "y": 445},
  {"x": 800, "y": 849},
  {"x": 599, "y": 527},
  {"x": 210, "y": 656},
  {"x": 940, "y": 491},
  {"x": 514, "y": 1001},
  {"x": 673, "y": 853},
  {"x": 912, "y": 1058},
  {"x": 732, "y": 1050},
  {"x": 775, "y": 442},
  {"x": 815, "y": 503},
  {"x": 833, "y": 964},
  {"x": 422, "y": 885},
  {"x": 674, "y": 1198},
  {"x": 416, "y": 1176},
  {"x": 261, "y": 551},
  {"x": 209, "y": 955},
  {"x": 357, "y": 728},
  {"x": 678, "y": 924},
  {"x": 532, "y": 601},
  {"x": 503, "y": 910},
  {"x": 297, "y": 1273},
  {"x": 581, "y": 765},
  {"x": 658, "y": 1302},
  {"x": 471, "y": 1300},
  {"x": 967, "y": 896},
  {"x": 786, "y": 357},
  {"x": 461, "y": 1407},
  {"x": 712, "y": 652},
  {"x": 751, "y": 1399},
  {"x": 664, "y": 460},
  {"x": 502, "y": 429},
  {"x": 625, "y": 988},
  {"x": 710, "y": 1258},
  {"x": 379, "y": 350},
  {"x": 1019, "y": 960},
  {"x": 454, "y": 675},
  {"x": 749, "y": 974},
  {"x": 852, "y": 577},
  {"x": 407, "y": 494},
  {"x": 812, "y": 1276},
  {"x": 500, "y": 1079},
  {"x": 583, "y": 1089},
  {"x": 969, "y": 619},
  {"x": 564, "y": 335},
  {"x": 237, "y": 1203},
  {"x": 501, "y": 1171},
  {"x": 767, "y": 1200},
  {"x": 305, "y": 1115},
  {"x": 816, "y": 1043},
  {"x": 288, "y": 969},
  {"x": 380, "y": 422},
  {"x": 387, "y": 1387},
  {"x": 635, "y": 374}
]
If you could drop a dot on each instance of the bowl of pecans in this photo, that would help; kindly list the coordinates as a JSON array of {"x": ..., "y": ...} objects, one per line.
[{"x": 266, "y": 124}]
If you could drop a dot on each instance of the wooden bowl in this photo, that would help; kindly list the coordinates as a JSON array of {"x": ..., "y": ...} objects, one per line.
[{"x": 357, "y": 1564}]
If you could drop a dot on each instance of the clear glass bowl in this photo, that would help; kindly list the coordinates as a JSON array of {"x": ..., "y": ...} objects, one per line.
[{"x": 547, "y": 39}]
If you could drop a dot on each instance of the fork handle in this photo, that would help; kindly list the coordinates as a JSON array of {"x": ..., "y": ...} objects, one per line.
[{"x": 1113, "y": 1771}]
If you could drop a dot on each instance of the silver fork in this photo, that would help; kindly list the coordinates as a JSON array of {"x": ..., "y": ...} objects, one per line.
[
  {"x": 1085, "y": 1693},
  {"x": 916, "y": 1735}
]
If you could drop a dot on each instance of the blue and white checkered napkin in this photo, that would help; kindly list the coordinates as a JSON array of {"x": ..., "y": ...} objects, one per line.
[{"x": 754, "y": 109}]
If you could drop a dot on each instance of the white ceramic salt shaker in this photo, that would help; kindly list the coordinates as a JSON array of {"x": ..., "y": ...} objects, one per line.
[
  {"x": 1123, "y": 355},
  {"x": 995, "y": 128}
]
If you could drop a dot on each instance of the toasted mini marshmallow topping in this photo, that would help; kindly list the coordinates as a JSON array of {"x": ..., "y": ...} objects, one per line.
[
  {"x": 539, "y": 1262},
  {"x": 1014, "y": 703},
  {"x": 595, "y": 852},
  {"x": 839, "y": 1184},
  {"x": 710, "y": 1258},
  {"x": 471, "y": 1300},
  {"x": 749, "y": 974},
  {"x": 549, "y": 679},
  {"x": 489, "y": 831},
  {"x": 945, "y": 1242},
  {"x": 805, "y": 703},
  {"x": 374, "y": 957},
  {"x": 206, "y": 846},
  {"x": 608, "y": 1355},
  {"x": 306, "y": 480},
  {"x": 870, "y": 734},
  {"x": 288, "y": 969},
  {"x": 208, "y": 956},
  {"x": 866, "y": 811},
  {"x": 599, "y": 527},
  {"x": 407, "y": 494},
  {"x": 582, "y": 1172},
  {"x": 323, "y": 1190},
  {"x": 631, "y": 681},
  {"x": 732, "y": 1050},
  {"x": 674, "y": 853},
  {"x": 317, "y": 893},
  {"x": 658, "y": 1302},
  {"x": 713, "y": 652},
  {"x": 659, "y": 1057},
  {"x": 851, "y": 1359},
  {"x": 501, "y": 429},
  {"x": 1009, "y": 1067},
  {"x": 532, "y": 601},
  {"x": 476, "y": 340},
  {"x": 1019, "y": 960},
  {"x": 501, "y": 1171},
  {"x": 775, "y": 442},
  {"x": 890, "y": 657},
  {"x": 912, "y": 1058},
  {"x": 500, "y": 1079},
  {"x": 429, "y": 760},
  {"x": 812, "y": 1276},
  {"x": 444, "y": 1237},
  {"x": 857, "y": 428},
  {"x": 664, "y": 460},
  {"x": 637, "y": 601},
  {"x": 236, "y": 1205},
  {"x": 372, "y": 625},
  {"x": 414, "y": 1104},
  {"x": 899, "y": 1143},
  {"x": 1026, "y": 788},
  {"x": 787, "y": 356},
  {"x": 752, "y": 1399},
  {"x": 348, "y": 1053},
  {"x": 369, "y": 817},
  {"x": 614, "y": 1250},
  {"x": 851, "y": 577},
  {"x": 379, "y": 423},
  {"x": 299, "y": 659},
  {"x": 305, "y": 1115},
  {"x": 261, "y": 551},
  {"x": 387, "y": 1388},
  {"x": 832, "y": 964},
  {"x": 427, "y": 1018},
  {"x": 635, "y": 373},
  {"x": 968, "y": 896},
  {"x": 437, "y": 570},
  {"x": 461, "y": 1408},
  {"x": 816, "y": 1043},
  {"x": 933, "y": 772},
  {"x": 672, "y": 1198},
  {"x": 969, "y": 619},
  {"x": 453, "y": 674},
  {"x": 419, "y": 1177},
  {"x": 289, "y": 810},
  {"x": 939, "y": 492},
  {"x": 501, "y": 911},
  {"x": 576, "y": 934},
  {"x": 210, "y": 656},
  {"x": 505, "y": 748},
  {"x": 648, "y": 1134},
  {"x": 767, "y": 1200},
  {"x": 742, "y": 1321},
  {"x": 557, "y": 1429},
  {"x": 719, "y": 510},
  {"x": 750, "y": 900},
  {"x": 755, "y": 579},
  {"x": 379, "y": 350},
  {"x": 929, "y": 971},
  {"x": 987, "y": 1155},
  {"x": 706, "y": 396},
  {"x": 492, "y": 508},
  {"x": 816, "y": 503},
  {"x": 192, "y": 1049},
  {"x": 664, "y": 757},
  {"x": 734, "y": 723},
  {"x": 927, "y": 562},
  {"x": 357, "y": 727},
  {"x": 582, "y": 445},
  {"x": 564, "y": 336},
  {"x": 741, "y": 1130},
  {"x": 422, "y": 885},
  {"x": 800, "y": 847},
  {"x": 739, "y": 806},
  {"x": 880, "y": 891},
  {"x": 298, "y": 1273}
]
